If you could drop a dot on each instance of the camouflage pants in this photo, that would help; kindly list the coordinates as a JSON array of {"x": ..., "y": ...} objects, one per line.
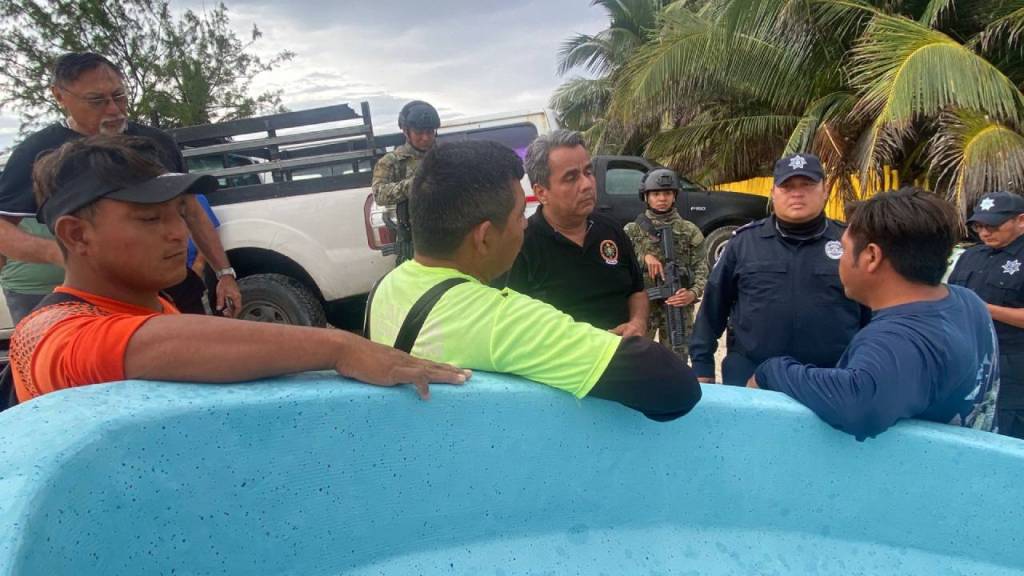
[{"x": 658, "y": 325}]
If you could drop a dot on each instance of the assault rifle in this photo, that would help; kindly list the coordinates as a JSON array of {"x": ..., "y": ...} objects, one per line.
[{"x": 676, "y": 278}]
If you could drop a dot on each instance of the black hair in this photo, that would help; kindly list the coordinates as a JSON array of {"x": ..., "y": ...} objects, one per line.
[
  {"x": 115, "y": 160},
  {"x": 915, "y": 229},
  {"x": 68, "y": 67},
  {"x": 457, "y": 186}
]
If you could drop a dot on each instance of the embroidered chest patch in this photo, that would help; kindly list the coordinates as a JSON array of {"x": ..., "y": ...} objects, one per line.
[
  {"x": 834, "y": 249},
  {"x": 610, "y": 252}
]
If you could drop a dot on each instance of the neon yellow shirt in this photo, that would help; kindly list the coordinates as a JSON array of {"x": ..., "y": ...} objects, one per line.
[{"x": 482, "y": 328}]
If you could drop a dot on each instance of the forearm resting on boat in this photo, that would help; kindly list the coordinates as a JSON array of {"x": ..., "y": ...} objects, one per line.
[
  {"x": 647, "y": 377},
  {"x": 193, "y": 348}
]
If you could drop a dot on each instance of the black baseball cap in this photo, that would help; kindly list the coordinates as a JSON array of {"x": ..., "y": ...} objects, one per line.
[
  {"x": 997, "y": 207},
  {"x": 87, "y": 188},
  {"x": 807, "y": 165}
]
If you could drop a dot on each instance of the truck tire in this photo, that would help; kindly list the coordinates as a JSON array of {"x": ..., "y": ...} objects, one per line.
[
  {"x": 714, "y": 243},
  {"x": 280, "y": 299}
]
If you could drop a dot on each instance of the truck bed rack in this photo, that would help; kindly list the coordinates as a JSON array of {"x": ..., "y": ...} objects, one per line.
[{"x": 254, "y": 161}]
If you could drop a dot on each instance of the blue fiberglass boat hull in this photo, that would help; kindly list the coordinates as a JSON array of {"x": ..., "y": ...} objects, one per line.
[{"x": 314, "y": 475}]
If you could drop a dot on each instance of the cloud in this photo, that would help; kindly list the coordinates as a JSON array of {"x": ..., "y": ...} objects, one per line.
[{"x": 471, "y": 56}]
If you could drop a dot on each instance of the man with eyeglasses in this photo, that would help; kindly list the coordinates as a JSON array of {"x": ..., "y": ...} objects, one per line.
[
  {"x": 992, "y": 269},
  {"x": 90, "y": 89}
]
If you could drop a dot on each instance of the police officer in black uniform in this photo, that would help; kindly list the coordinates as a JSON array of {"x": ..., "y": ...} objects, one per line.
[
  {"x": 777, "y": 284},
  {"x": 993, "y": 270}
]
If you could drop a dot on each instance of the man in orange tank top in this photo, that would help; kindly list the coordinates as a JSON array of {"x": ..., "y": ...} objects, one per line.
[{"x": 118, "y": 217}]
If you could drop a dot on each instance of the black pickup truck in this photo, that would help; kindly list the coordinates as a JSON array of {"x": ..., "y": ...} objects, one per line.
[{"x": 717, "y": 213}]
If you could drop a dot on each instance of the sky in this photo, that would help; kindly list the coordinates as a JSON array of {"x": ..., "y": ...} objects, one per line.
[{"x": 467, "y": 57}]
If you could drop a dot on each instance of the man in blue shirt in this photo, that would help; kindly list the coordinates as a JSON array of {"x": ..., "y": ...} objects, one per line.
[{"x": 930, "y": 351}]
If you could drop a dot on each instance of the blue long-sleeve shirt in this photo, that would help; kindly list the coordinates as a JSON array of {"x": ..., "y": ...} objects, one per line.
[
  {"x": 781, "y": 297},
  {"x": 935, "y": 360}
]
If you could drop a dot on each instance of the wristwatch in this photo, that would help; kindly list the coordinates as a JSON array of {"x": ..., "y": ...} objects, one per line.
[{"x": 229, "y": 271}]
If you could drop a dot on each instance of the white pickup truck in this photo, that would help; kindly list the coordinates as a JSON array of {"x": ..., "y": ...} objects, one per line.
[{"x": 297, "y": 215}]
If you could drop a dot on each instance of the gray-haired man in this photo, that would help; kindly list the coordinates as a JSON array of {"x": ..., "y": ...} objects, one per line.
[{"x": 579, "y": 262}]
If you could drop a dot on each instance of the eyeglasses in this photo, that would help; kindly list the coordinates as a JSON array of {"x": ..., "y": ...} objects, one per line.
[
  {"x": 119, "y": 98},
  {"x": 979, "y": 227}
]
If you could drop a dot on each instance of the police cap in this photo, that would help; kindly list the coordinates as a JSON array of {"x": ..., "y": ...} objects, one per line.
[
  {"x": 997, "y": 207},
  {"x": 807, "y": 165}
]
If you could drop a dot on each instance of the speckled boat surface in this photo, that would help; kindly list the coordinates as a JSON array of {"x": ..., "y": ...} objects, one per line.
[{"x": 315, "y": 475}]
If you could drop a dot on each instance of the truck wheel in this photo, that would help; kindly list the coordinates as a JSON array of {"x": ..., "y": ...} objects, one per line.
[
  {"x": 279, "y": 299},
  {"x": 715, "y": 243}
]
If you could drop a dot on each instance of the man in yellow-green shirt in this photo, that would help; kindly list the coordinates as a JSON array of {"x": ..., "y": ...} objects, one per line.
[{"x": 467, "y": 222}]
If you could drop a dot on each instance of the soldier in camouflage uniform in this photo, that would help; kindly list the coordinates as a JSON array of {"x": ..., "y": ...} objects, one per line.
[
  {"x": 393, "y": 174},
  {"x": 659, "y": 190}
]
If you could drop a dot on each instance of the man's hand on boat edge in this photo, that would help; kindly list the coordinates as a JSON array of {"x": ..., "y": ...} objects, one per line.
[{"x": 381, "y": 365}]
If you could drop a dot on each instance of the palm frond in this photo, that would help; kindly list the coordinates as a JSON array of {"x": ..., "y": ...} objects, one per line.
[
  {"x": 584, "y": 51},
  {"x": 818, "y": 115},
  {"x": 905, "y": 71},
  {"x": 973, "y": 155},
  {"x": 716, "y": 150},
  {"x": 877, "y": 148},
  {"x": 1006, "y": 30},
  {"x": 630, "y": 23},
  {"x": 695, "y": 58},
  {"x": 637, "y": 16},
  {"x": 935, "y": 11},
  {"x": 580, "y": 102}
]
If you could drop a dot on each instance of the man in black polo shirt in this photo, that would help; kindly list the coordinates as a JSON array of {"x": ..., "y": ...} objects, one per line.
[{"x": 579, "y": 262}]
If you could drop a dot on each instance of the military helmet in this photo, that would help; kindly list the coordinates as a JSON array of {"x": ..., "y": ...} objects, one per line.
[
  {"x": 418, "y": 115},
  {"x": 659, "y": 179}
]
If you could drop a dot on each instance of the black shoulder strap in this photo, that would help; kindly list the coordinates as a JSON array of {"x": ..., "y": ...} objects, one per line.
[
  {"x": 8, "y": 395},
  {"x": 369, "y": 303},
  {"x": 417, "y": 315},
  {"x": 645, "y": 224}
]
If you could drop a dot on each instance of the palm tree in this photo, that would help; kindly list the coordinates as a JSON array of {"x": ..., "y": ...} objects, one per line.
[
  {"x": 582, "y": 101},
  {"x": 930, "y": 87}
]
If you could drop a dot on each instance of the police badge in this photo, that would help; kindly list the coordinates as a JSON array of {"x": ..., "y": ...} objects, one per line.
[{"x": 834, "y": 249}]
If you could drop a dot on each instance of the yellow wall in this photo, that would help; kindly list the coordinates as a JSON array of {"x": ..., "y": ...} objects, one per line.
[{"x": 762, "y": 186}]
